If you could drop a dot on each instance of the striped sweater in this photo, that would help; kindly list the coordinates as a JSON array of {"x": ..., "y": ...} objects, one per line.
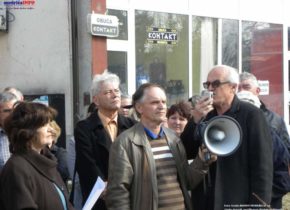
[{"x": 170, "y": 196}]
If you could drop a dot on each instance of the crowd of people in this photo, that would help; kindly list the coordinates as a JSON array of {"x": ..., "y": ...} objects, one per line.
[{"x": 151, "y": 157}]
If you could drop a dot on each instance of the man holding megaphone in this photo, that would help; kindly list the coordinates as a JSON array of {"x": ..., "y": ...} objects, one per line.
[{"x": 237, "y": 132}]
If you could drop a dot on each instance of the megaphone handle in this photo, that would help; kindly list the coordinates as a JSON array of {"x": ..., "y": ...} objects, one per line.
[{"x": 207, "y": 156}]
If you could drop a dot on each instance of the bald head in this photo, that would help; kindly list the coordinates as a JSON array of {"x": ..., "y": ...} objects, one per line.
[
  {"x": 227, "y": 73},
  {"x": 223, "y": 81}
]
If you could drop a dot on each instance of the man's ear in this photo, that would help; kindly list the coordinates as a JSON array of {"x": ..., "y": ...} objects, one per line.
[
  {"x": 258, "y": 90},
  {"x": 235, "y": 88},
  {"x": 96, "y": 100},
  {"x": 138, "y": 108}
]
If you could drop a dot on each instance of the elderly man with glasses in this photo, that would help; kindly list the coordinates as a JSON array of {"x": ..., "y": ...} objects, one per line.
[
  {"x": 95, "y": 134},
  {"x": 244, "y": 178}
]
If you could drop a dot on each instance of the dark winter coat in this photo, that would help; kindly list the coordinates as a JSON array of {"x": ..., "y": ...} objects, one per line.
[
  {"x": 28, "y": 182},
  {"x": 247, "y": 172},
  {"x": 92, "y": 152},
  {"x": 277, "y": 124},
  {"x": 61, "y": 156}
]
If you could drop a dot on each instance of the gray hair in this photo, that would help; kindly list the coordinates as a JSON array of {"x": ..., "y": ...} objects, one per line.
[
  {"x": 126, "y": 96},
  {"x": 249, "y": 76},
  {"x": 232, "y": 74},
  {"x": 7, "y": 97},
  {"x": 105, "y": 77},
  {"x": 14, "y": 91},
  {"x": 138, "y": 96}
]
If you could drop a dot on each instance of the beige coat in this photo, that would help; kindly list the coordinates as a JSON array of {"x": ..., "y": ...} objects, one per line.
[{"x": 132, "y": 182}]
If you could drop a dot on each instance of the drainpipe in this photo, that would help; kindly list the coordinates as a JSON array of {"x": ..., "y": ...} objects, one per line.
[{"x": 75, "y": 61}]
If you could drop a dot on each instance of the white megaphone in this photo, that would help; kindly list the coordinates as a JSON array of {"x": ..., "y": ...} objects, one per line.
[{"x": 222, "y": 135}]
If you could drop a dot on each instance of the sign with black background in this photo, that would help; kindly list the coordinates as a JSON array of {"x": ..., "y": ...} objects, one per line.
[{"x": 161, "y": 35}]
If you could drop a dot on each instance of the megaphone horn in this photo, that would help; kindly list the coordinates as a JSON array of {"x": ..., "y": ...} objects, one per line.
[{"x": 222, "y": 135}]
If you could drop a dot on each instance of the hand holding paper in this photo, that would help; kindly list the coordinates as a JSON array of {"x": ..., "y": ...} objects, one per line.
[{"x": 97, "y": 190}]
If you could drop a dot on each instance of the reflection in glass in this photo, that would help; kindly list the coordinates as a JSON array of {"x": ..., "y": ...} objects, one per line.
[
  {"x": 230, "y": 42},
  {"x": 162, "y": 52},
  {"x": 288, "y": 38},
  {"x": 123, "y": 23},
  {"x": 117, "y": 64},
  {"x": 262, "y": 55},
  {"x": 204, "y": 49}
]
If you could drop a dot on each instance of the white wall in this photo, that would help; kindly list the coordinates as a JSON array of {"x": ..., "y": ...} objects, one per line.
[
  {"x": 35, "y": 54},
  {"x": 254, "y": 10}
]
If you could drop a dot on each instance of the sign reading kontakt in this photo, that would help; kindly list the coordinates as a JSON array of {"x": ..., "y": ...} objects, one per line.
[
  {"x": 162, "y": 35},
  {"x": 103, "y": 25}
]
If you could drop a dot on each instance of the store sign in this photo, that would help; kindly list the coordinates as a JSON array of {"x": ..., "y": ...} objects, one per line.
[
  {"x": 104, "y": 25},
  {"x": 161, "y": 35},
  {"x": 264, "y": 87}
]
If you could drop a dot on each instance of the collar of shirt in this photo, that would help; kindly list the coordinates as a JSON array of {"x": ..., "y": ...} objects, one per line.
[
  {"x": 110, "y": 125},
  {"x": 106, "y": 120},
  {"x": 153, "y": 135}
]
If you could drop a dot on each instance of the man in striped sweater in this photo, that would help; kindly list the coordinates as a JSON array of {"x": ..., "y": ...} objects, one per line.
[{"x": 148, "y": 169}]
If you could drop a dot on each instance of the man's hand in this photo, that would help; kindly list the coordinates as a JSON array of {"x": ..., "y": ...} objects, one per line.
[
  {"x": 202, "y": 108},
  {"x": 205, "y": 155}
]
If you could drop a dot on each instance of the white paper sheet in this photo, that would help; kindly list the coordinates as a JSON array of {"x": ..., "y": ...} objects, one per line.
[{"x": 98, "y": 188}]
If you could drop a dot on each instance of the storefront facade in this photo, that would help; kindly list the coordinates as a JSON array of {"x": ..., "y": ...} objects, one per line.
[
  {"x": 176, "y": 42},
  {"x": 172, "y": 42}
]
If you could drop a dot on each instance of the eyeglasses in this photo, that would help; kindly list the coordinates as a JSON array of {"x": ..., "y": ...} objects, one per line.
[
  {"x": 214, "y": 84},
  {"x": 6, "y": 111},
  {"x": 127, "y": 106}
]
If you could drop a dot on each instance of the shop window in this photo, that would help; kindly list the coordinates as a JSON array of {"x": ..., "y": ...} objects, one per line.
[
  {"x": 289, "y": 74},
  {"x": 288, "y": 38},
  {"x": 288, "y": 87},
  {"x": 117, "y": 64},
  {"x": 230, "y": 43},
  {"x": 205, "y": 46},
  {"x": 162, "y": 52},
  {"x": 123, "y": 23},
  {"x": 262, "y": 55},
  {"x": 204, "y": 49}
]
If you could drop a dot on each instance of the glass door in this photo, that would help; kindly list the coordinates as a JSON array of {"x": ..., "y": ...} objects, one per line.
[{"x": 118, "y": 49}]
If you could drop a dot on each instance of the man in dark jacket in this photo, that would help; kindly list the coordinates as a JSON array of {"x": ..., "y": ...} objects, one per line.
[
  {"x": 280, "y": 137},
  {"x": 249, "y": 82},
  {"x": 244, "y": 178},
  {"x": 95, "y": 134}
]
